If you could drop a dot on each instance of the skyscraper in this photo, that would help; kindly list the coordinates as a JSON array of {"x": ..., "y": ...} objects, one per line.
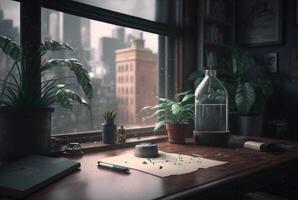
[
  {"x": 136, "y": 82},
  {"x": 107, "y": 48}
]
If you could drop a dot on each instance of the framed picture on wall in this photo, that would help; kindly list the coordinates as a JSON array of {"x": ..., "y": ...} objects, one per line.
[
  {"x": 259, "y": 22},
  {"x": 271, "y": 62}
]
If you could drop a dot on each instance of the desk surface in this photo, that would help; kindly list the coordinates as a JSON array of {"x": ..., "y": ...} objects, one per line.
[{"x": 247, "y": 169}]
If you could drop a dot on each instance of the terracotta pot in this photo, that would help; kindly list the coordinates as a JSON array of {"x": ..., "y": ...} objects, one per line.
[
  {"x": 176, "y": 133},
  {"x": 24, "y": 132}
]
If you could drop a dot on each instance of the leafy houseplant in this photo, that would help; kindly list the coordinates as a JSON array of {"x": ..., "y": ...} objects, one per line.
[
  {"x": 25, "y": 115},
  {"x": 109, "y": 128},
  {"x": 247, "y": 84},
  {"x": 252, "y": 87},
  {"x": 174, "y": 114}
]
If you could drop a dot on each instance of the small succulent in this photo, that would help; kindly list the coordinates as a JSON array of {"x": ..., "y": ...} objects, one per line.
[{"x": 110, "y": 116}]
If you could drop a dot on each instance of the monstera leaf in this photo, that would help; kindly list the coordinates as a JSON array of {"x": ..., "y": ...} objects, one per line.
[
  {"x": 10, "y": 48},
  {"x": 77, "y": 68},
  {"x": 245, "y": 97},
  {"x": 14, "y": 91},
  {"x": 67, "y": 97},
  {"x": 53, "y": 46}
]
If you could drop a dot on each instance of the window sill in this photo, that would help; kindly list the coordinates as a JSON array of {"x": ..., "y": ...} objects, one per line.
[
  {"x": 86, "y": 137},
  {"x": 97, "y": 146}
]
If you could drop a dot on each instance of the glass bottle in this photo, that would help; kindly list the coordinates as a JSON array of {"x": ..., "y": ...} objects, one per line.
[
  {"x": 211, "y": 111},
  {"x": 121, "y": 135}
]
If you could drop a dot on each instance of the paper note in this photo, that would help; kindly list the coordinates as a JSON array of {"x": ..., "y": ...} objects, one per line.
[{"x": 166, "y": 164}]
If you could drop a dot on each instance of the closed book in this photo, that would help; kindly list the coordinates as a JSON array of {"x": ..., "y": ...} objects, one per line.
[{"x": 22, "y": 177}]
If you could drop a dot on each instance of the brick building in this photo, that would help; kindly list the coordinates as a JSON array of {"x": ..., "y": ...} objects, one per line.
[{"x": 136, "y": 82}]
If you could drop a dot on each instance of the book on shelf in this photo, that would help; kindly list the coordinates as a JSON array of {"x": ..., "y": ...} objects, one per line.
[
  {"x": 214, "y": 34},
  {"x": 216, "y": 8}
]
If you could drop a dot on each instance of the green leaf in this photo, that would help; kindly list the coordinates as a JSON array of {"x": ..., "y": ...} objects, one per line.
[
  {"x": 169, "y": 102},
  {"x": 187, "y": 97},
  {"x": 10, "y": 48},
  {"x": 49, "y": 92},
  {"x": 53, "y": 46},
  {"x": 176, "y": 108},
  {"x": 77, "y": 68},
  {"x": 183, "y": 93},
  {"x": 110, "y": 115},
  {"x": 245, "y": 97},
  {"x": 67, "y": 97},
  {"x": 161, "y": 124},
  {"x": 146, "y": 108},
  {"x": 156, "y": 113},
  {"x": 160, "y": 106},
  {"x": 198, "y": 74}
]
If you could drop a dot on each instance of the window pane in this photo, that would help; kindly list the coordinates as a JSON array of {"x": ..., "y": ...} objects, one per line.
[
  {"x": 154, "y": 10},
  {"x": 123, "y": 65},
  {"x": 9, "y": 27}
]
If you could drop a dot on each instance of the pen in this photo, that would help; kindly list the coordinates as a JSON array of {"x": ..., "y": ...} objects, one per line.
[{"x": 113, "y": 167}]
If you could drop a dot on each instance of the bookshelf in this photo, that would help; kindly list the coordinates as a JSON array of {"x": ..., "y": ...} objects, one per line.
[{"x": 216, "y": 30}]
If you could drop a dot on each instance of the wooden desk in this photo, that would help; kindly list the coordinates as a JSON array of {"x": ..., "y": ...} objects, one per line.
[{"x": 247, "y": 170}]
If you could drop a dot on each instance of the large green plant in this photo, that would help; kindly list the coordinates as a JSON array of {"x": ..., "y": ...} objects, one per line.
[
  {"x": 15, "y": 93},
  {"x": 247, "y": 83},
  {"x": 170, "y": 111}
]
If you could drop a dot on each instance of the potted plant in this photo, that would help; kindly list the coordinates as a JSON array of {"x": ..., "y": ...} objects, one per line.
[
  {"x": 25, "y": 113},
  {"x": 175, "y": 115},
  {"x": 109, "y": 128},
  {"x": 248, "y": 86},
  {"x": 252, "y": 87}
]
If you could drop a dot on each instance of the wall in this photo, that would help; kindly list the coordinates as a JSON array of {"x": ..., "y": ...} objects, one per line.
[{"x": 284, "y": 102}]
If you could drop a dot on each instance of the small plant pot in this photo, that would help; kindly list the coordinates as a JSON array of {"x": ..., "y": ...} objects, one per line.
[
  {"x": 109, "y": 133},
  {"x": 251, "y": 125},
  {"x": 176, "y": 133}
]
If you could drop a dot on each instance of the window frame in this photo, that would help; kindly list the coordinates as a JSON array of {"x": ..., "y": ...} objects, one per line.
[{"x": 166, "y": 32}]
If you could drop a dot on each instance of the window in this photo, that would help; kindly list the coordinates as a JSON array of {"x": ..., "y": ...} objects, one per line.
[
  {"x": 134, "y": 7},
  {"x": 102, "y": 36},
  {"x": 9, "y": 27},
  {"x": 100, "y": 47}
]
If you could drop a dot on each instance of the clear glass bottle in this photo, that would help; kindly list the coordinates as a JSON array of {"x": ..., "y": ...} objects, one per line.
[{"x": 211, "y": 110}]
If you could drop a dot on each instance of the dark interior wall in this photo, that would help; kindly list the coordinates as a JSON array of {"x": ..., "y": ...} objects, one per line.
[{"x": 284, "y": 102}]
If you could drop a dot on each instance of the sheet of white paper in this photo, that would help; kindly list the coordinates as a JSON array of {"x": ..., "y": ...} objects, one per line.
[{"x": 166, "y": 164}]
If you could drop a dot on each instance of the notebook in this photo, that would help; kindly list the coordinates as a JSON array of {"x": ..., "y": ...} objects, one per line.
[{"x": 22, "y": 177}]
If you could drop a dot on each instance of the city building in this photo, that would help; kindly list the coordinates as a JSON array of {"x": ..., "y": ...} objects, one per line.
[
  {"x": 136, "y": 82},
  {"x": 107, "y": 48}
]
